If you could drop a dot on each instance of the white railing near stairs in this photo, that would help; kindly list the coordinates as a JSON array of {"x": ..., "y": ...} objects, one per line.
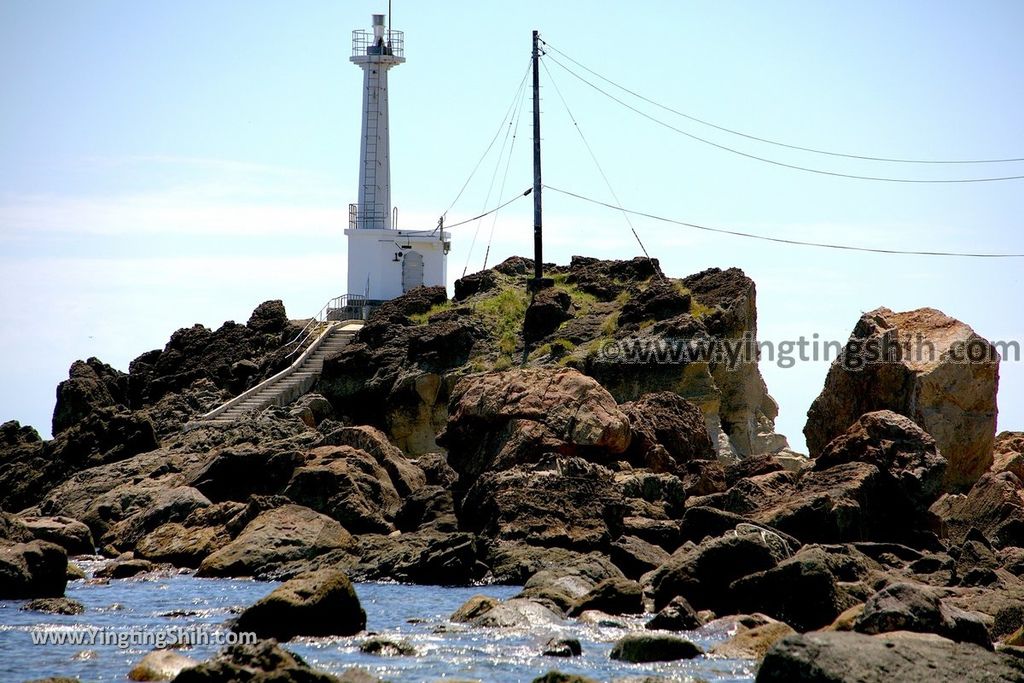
[
  {"x": 337, "y": 308},
  {"x": 320, "y": 328}
]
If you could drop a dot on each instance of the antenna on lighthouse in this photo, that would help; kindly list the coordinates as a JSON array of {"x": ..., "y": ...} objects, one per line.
[{"x": 538, "y": 282}]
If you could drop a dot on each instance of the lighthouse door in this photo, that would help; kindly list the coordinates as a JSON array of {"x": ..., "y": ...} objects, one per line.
[{"x": 412, "y": 270}]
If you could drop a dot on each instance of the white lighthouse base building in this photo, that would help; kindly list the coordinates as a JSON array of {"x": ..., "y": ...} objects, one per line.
[{"x": 383, "y": 264}]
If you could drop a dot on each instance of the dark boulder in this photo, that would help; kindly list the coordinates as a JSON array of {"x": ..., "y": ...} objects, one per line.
[
  {"x": 387, "y": 647},
  {"x": 703, "y": 573},
  {"x": 650, "y": 647},
  {"x": 896, "y": 446},
  {"x": 235, "y": 473},
  {"x": 124, "y": 568},
  {"x": 563, "y": 647},
  {"x": 908, "y": 658},
  {"x": 268, "y": 318},
  {"x": 568, "y": 503},
  {"x": 994, "y": 506},
  {"x": 667, "y": 431},
  {"x": 801, "y": 591},
  {"x": 91, "y": 384},
  {"x": 562, "y": 586},
  {"x": 635, "y": 556},
  {"x": 37, "y": 569},
  {"x": 611, "y": 596},
  {"x": 263, "y": 662},
  {"x": 662, "y": 299},
  {"x": 751, "y": 466},
  {"x": 468, "y": 285},
  {"x": 427, "y": 556},
  {"x": 62, "y": 606},
  {"x": 909, "y": 607},
  {"x": 548, "y": 309},
  {"x": 348, "y": 485},
  {"x": 318, "y": 604},
  {"x": 30, "y": 467},
  {"x": 677, "y": 615}
]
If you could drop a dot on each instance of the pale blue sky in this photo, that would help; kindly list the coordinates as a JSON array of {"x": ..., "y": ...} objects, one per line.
[{"x": 165, "y": 163}]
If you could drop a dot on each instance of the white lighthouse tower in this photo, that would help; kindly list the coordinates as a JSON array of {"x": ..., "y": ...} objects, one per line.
[{"x": 383, "y": 261}]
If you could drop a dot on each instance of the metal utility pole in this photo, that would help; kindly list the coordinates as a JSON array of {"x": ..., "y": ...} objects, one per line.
[{"x": 538, "y": 282}]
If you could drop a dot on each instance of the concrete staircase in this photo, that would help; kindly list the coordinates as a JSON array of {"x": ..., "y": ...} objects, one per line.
[{"x": 292, "y": 382}]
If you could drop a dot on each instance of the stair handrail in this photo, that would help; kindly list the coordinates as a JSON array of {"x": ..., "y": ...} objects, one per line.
[
  {"x": 332, "y": 304},
  {"x": 270, "y": 380}
]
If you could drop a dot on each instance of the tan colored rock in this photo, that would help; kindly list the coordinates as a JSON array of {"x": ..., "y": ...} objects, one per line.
[
  {"x": 753, "y": 643},
  {"x": 923, "y": 364},
  {"x": 160, "y": 665},
  {"x": 473, "y": 608},
  {"x": 846, "y": 620},
  {"x": 278, "y": 536},
  {"x": 523, "y": 414},
  {"x": 1008, "y": 453},
  {"x": 182, "y": 546}
]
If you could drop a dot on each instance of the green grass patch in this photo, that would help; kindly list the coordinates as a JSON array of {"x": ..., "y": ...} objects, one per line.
[
  {"x": 504, "y": 314},
  {"x": 422, "y": 318}
]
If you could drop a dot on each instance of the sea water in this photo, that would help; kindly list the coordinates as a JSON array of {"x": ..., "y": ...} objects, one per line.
[{"x": 417, "y": 614}]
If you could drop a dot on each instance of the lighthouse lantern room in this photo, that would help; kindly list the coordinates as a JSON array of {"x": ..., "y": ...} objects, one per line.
[{"x": 383, "y": 261}]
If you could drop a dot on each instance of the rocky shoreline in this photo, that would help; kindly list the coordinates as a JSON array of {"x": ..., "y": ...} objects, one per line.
[{"x": 492, "y": 439}]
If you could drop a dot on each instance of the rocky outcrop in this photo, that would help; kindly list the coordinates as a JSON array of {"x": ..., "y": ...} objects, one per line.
[
  {"x": 702, "y": 574},
  {"x": 274, "y": 538},
  {"x": 29, "y": 467},
  {"x": 874, "y": 482},
  {"x": 909, "y": 658},
  {"x": 399, "y": 372},
  {"x": 677, "y": 615},
  {"x": 668, "y": 431},
  {"x": 752, "y": 643},
  {"x": 908, "y": 607},
  {"x": 264, "y": 662},
  {"x": 566, "y": 502},
  {"x": 32, "y": 570},
  {"x": 91, "y": 385},
  {"x": 1008, "y": 454},
  {"x": 62, "y": 606},
  {"x": 318, "y": 604},
  {"x": 994, "y": 506},
  {"x": 348, "y": 485},
  {"x": 500, "y": 420},
  {"x": 70, "y": 534},
  {"x": 897, "y": 447},
  {"x": 801, "y": 591},
  {"x": 922, "y": 364},
  {"x": 702, "y": 346}
]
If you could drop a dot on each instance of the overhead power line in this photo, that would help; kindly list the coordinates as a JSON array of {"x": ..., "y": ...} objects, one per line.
[
  {"x": 509, "y": 117},
  {"x": 494, "y": 139},
  {"x": 504, "y": 179},
  {"x": 777, "y": 143},
  {"x": 597, "y": 163},
  {"x": 781, "y": 240},
  {"x": 488, "y": 213},
  {"x": 772, "y": 161}
]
